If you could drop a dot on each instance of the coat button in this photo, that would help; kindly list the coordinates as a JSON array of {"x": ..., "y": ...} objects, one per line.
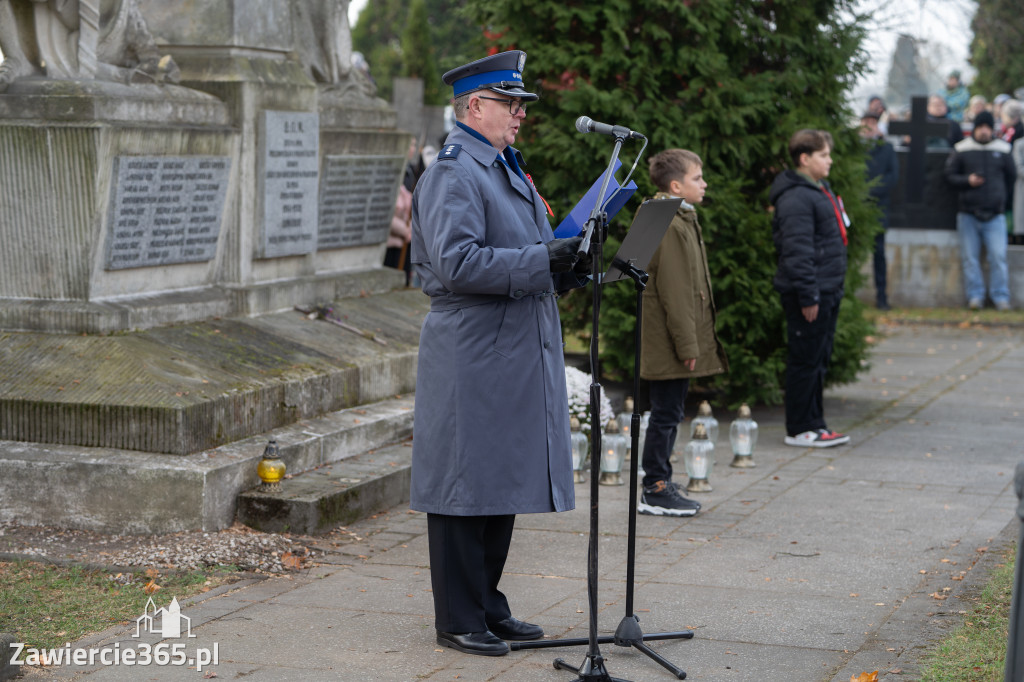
[
  {"x": 518, "y": 293},
  {"x": 547, "y": 344}
]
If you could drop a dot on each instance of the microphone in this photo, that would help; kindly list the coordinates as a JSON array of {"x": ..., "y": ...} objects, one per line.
[{"x": 585, "y": 124}]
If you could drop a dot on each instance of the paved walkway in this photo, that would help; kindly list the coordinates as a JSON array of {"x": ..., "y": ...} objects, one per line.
[{"x": 815, "y": 565}]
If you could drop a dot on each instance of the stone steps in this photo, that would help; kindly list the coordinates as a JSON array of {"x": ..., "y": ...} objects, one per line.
[
  {"x": 184, "y": 389},
  {"x": 122, "y": 491},
  {"x": 333, "y": 495}
]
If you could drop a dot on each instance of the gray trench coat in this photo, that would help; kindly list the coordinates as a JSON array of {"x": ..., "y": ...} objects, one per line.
[{"x": 491, "y": 424}]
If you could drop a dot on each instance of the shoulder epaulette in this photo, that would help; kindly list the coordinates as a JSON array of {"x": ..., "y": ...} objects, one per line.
[{"x": 450, "y": 151}]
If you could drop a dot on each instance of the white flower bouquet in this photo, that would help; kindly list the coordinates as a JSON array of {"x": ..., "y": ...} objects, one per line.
[{"x": 577, "y": 385}]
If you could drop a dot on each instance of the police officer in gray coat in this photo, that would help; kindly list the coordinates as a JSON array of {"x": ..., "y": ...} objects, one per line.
[{"x": 491, "y": 428}]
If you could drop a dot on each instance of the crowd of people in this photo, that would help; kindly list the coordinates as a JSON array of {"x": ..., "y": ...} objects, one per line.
[{"x": 985, "y": 167}]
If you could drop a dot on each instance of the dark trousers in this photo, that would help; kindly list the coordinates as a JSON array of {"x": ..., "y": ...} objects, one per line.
[
  {"x": 467, "y": 556},
  {"x": 880, "y": 280},
  {"x": 667, "y": 398},
  {"x": 810, "y": 349}
]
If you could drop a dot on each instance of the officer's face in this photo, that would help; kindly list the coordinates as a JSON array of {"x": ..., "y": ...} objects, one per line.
[{"x": 496, "y": 123}]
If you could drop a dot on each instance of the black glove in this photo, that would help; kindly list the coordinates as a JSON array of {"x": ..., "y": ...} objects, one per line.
[
  {"x": 562, "y": 253},
  {"x": 584, "y": 265}
]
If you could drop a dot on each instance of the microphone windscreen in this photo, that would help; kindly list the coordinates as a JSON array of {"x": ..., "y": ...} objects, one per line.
[{"x": 583, "y": 124}]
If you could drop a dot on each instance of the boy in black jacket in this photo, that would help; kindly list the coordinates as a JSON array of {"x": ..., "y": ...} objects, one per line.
[{"x": 809, "y": 230}]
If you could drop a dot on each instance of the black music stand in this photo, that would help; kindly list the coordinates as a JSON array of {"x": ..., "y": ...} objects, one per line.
[{"x": 642, "y": 240}]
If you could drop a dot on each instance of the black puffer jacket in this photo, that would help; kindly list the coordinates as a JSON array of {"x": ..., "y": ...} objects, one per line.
[
  {"x": 994, "y": 163},
  {"x": 808, "y": 239}
]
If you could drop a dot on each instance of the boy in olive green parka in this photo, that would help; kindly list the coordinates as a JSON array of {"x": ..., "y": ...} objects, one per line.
[{"x": 678, "y": 333}]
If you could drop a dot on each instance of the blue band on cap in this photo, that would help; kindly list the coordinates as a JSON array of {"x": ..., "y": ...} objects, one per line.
[{"x": 476, "y": 81}]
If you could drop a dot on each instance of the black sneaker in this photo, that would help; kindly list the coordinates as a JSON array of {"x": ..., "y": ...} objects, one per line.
[{"x": 663, "y": 499}]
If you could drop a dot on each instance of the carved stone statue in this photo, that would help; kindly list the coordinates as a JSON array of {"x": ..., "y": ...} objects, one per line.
[
  {"x": 323, "y": 41},
  {"x": 80, "y": 39}
]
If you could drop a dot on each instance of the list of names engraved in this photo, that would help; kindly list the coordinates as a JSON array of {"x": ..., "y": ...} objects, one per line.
[
  {"x": 165, "y": 210},
  {"x": 357, "y": 199}
]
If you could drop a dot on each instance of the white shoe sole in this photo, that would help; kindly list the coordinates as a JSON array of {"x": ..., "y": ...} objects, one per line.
[
  {"x": 790, "y": 440},
  {"x": 662, "y": 511}
]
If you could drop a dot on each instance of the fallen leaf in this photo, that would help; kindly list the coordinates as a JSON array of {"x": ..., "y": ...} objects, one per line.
[
  {"x": 152, "y": 573},
  {"x": 865, "y": 677},
  {"x": 291, "y": 561},
  {"x": 209, "y": 675},
  {"x": 151, "y": 587}
]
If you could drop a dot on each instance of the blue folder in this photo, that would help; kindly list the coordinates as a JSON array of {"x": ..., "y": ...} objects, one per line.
[{"x": 577, "y": 218}]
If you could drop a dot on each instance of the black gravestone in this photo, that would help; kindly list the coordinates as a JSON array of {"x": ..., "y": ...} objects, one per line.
[
  {"x": 165, "y": 210},
  {"x": 936, "y": 208},
  {"x": 919, "y": 130},
  {"x": 357, "y": 199}
]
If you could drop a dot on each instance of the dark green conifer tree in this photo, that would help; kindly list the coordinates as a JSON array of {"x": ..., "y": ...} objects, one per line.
[{"x": 996, "y": 48}]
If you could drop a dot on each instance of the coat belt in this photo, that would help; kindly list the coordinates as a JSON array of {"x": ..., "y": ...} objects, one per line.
[{"x": 457, "y": 301}]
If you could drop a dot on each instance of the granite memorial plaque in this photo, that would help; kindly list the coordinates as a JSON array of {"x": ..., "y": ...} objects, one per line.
[
  {"x": 165, "y": 210},
  {"x": 290, "y": 143},
  {"x": 357, "y": 199}
]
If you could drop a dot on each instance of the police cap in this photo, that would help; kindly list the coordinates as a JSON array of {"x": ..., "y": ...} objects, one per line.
[{"x": 501, "y": 73}]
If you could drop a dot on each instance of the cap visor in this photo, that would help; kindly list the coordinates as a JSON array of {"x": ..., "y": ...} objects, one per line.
[{"x": 516, "y": 92}]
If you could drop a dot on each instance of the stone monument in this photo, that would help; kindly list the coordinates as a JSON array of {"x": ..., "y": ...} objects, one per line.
[
  {"x": 264, "y": 178},
  {"x": 174, "y": 180}
]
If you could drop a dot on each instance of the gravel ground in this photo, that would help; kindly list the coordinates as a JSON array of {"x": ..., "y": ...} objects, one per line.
[{"x": 240, "y": 547}]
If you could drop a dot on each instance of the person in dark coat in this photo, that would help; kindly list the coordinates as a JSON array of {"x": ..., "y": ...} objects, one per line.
[
  {"x": 809, "y": 230},
  {"x": 678, "y": 335},
  {"x": 982, "y": 169},
  {"x": 491, "y": 422},
  {"x": 883, "y": 166}
]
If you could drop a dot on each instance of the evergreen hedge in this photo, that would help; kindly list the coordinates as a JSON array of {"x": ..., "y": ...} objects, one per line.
[{"x": 730, "y": 80}]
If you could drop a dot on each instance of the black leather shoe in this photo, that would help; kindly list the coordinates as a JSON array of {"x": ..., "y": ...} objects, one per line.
[
  {"x": 478, "y": 643},
  {"x": 516, "y": 630}
]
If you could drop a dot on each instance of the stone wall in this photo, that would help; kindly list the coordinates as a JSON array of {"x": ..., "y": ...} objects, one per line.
[{"x": 924, "y": 270}]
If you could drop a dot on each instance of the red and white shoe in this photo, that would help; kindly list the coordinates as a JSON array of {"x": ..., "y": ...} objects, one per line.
[{"x": 822, "y": 438}]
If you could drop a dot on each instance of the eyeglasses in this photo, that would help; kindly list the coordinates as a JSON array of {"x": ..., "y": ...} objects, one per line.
[{"x": 514, "y": 105}]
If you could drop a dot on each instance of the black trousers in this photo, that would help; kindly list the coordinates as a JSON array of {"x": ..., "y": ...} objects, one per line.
[
  {"x": 467, "y": 557},
  {"x": 880, "y": 266},
  {"x": 810, "y": 350},
  {"x": 667, "y": 399},
  {"x": 881, "y": 297}
]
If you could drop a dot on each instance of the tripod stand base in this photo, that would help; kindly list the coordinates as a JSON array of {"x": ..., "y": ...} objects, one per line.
[{"x": 592, "y": 670}]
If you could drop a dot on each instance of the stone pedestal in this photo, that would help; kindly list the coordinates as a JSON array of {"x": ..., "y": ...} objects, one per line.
[
  {"x": 253, "y": 187},
  {"x": 135, "y": 206},
  {"x": 60, "y": 144},
  {"x": 244, "y": 53}
]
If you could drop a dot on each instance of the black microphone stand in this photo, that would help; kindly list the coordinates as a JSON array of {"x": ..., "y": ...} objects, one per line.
[
  {"x": 592, "y": 669},
  {"x": 628, "y": 633}
]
